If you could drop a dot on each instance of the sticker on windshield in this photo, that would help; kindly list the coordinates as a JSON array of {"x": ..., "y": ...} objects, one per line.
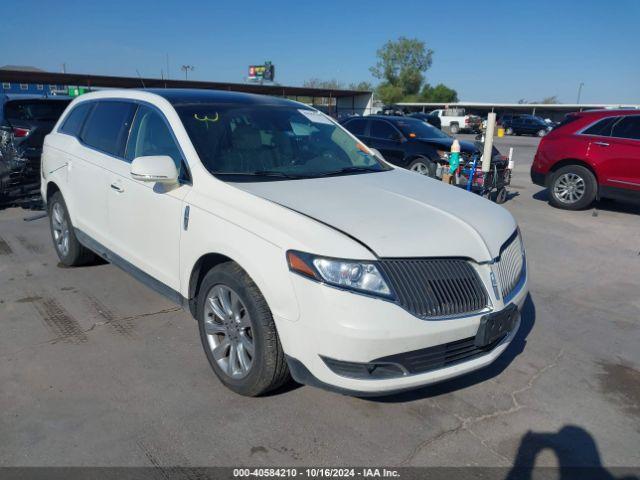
[{"x": 316, "y": 117}]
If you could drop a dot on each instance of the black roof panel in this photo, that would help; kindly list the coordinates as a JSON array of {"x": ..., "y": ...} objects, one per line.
[{"x": 178, "y": 96}]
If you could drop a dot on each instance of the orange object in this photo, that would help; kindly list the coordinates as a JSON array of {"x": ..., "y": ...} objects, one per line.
[{"x": 299, "y": 265}]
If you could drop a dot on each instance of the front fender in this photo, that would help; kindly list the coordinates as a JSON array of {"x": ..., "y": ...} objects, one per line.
[{"x": 263, "y": 261}]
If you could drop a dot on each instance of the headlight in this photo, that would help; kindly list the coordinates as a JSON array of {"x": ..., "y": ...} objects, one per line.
[{"x": 362, "y": 276}]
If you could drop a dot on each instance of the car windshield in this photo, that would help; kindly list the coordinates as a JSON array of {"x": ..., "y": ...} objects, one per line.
[
  {"x": 415, "y": 128},
  {"x": 252, "y": 142}
]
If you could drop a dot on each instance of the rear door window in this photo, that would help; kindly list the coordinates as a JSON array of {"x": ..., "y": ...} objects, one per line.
[
  {"x": 108, "y": 125},
  {"x": 383, "y": 130},
  {"x": 627, "y": 127},
  {"x": 357, "y": 126},
  {"x": 74, "y": 121},
  {"x": 602, "y": 128}
]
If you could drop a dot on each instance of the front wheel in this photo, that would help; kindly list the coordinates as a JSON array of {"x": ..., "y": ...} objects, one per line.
[
  {"x": 454, "y": 128},
  {"x": 423, "y": 166},
  {"x": 573, "y": 187},
  {"x": 509, "y": 131},
  {"x": 238, "y": 332},
  {"x": 541, "y": 132}
]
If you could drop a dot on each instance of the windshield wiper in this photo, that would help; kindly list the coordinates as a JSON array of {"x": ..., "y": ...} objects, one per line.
[
  {"x": 351, "y": 169},
  {"x": 260, "y": 173}
]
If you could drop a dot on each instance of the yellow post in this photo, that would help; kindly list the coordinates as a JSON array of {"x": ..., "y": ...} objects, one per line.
[{"x": 500, "y": 132}]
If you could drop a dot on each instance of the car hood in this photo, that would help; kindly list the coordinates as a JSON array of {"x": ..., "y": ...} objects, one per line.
[{"x": 397, "y": 213}]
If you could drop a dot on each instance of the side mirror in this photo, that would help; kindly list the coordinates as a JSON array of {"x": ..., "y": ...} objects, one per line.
[{"x": 154, "y": 168}]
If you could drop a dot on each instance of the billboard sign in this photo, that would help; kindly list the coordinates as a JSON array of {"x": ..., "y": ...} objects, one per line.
[{"x": 262, "y": 72}]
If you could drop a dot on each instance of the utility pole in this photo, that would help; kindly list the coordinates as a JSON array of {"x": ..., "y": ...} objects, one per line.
[
  {"x": 579, "y": 91},
  {"x": 186, "y": 69},
  {"x": 168, "y": 73}
]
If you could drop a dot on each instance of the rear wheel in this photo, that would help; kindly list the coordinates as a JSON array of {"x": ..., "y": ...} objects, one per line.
[
  {"x": 238, "y": 332},
  {"x": 70, "y": 252},
  {"x": 423, "y": 166},
  {"x": 572, "y": 187}
]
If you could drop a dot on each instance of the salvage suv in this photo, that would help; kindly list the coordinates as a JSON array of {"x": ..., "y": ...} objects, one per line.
[{"x": 298, "y": 250}]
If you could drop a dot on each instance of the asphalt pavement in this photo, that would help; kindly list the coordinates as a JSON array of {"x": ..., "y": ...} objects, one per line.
[{"x": 96, "y": 369}]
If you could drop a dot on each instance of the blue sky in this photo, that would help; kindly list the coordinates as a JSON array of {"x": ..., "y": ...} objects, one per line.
[{"x": 511, "y": 50}]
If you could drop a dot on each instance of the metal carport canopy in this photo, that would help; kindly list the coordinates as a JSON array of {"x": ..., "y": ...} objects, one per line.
[{"x": 104, "y": 81}]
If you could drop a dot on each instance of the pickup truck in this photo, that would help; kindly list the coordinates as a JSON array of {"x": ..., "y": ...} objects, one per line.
[{"x": 456, "y": 120}]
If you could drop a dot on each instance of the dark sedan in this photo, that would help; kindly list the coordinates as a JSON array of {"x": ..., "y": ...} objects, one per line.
[
  {"x": 408, "y": 142},
  {"x": 524, "y": 125}
]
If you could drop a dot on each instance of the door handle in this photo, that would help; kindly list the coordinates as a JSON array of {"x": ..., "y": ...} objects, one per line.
[
  {"x": 117, "y": 188},
  {"x": 602, "y": 144}
]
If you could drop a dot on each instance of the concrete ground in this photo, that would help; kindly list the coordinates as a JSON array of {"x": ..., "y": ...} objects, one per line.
[{"x": 95, "y": 369}]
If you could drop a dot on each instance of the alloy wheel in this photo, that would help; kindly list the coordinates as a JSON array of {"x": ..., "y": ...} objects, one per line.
[
  {"x": 420, "y": 168},
  {"x": 569, "y": 188},
  {"x": 60, "y": 229},
  {"x": 229, "y": 333}
]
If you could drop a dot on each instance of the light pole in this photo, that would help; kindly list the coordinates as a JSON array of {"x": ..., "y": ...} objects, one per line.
[
  {"x": 186, "y": 69},
  {"x": 579, "y": 91}
]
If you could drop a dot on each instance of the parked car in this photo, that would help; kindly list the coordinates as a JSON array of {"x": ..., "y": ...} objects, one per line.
[
  {"x": 296, "y": 249},
  {"x": 433, "y": 120},
  {"x": 590, "y": 155},
  {"x": 409, "y": 142},
  {"x": 24, "y": 122},
  {"x": 457, "y": 120},
  {"x": 524, "y": 125}
]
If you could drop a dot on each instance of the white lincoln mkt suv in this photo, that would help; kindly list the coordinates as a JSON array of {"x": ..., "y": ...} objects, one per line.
[{"x": 299, "y": 251}]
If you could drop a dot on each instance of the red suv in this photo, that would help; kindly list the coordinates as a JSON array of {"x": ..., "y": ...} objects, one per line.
[{"x": 590, "y": 155}]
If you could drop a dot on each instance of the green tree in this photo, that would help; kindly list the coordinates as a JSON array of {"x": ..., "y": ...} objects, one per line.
[
  {"x": 552, "y": 100},
  {"x": 438, "y": 94},
  {"x": 319, "y": 83},
  {"x": 389, "y": 93},
  {"x": 361, "y": 87},
  {"x": 401, "y": 64}
]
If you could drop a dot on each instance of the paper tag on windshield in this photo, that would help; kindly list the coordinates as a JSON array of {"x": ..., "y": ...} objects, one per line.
[{"x": 315, "y": 117}]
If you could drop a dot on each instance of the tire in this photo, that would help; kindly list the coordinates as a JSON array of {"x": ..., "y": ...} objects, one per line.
[
  {"x": 248, "y": 357},
  {"x": 423, "y": 166},
  {"x": 509, "y": 131},
  {"x": 541, "y": 133},
  {"x": 454, "y": 128},
  {"x": 572, "y": 187},
  {"x": 70, "y": 252},
  {"x": 501, "y": 196}
]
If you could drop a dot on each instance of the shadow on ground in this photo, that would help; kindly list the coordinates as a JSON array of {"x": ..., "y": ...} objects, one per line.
[
  {"x": 576, "y": 452},
  {"x": 604, "y": 204}
]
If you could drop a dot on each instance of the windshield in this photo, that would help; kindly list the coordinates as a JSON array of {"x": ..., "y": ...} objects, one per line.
[
  {"x": 254, "y": 141},
  {"x": 414, "y": 128}
]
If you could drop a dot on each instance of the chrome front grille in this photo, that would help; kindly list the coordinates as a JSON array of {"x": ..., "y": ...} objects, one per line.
[
  {"x": 510, "y": 265},
  {"x": 436, "y": 287}
]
